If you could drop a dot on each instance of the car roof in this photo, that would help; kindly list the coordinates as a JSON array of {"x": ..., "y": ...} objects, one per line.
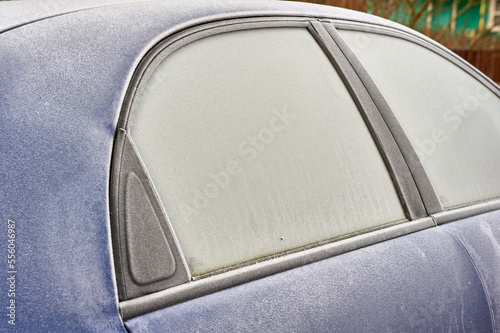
[
  {"x": 104, "y": 34},
  {"x": 143, "y": 16},
  {"x": 18, "y": 13}
]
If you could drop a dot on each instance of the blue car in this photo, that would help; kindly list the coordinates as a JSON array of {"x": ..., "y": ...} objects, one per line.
[{"x": 209, "y": 166}]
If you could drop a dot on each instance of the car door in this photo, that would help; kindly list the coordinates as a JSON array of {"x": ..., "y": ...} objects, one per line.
[{"x": 264, "y": 180}]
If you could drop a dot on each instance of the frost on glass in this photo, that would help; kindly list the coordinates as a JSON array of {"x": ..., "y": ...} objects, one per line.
[
  {"x": 255, "y": 147},
  {"x": 452, "y": 120}
]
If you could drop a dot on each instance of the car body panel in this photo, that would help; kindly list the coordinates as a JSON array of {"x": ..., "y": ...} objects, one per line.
[
  {"x": 480, "y": 237},
  {"x": 57, "y": 130},
  {"x": 61, "y": 92},
  {"x": 380, "y": 288},
  {"x": 18, "y": 13},
  {"x": 58, "y": 119}
]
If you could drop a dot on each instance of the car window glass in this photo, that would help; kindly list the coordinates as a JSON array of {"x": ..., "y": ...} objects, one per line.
[
  {"x": 452, "y": 120},
  {"x": 256, "y": 147}
]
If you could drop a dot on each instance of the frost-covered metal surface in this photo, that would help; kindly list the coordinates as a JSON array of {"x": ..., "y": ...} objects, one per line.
[
  {"x": 58, "y": 113},
  {"x": 62, "y": 81},
  {"x": 480, "y": 237},
  {"x": 16, "y": 13},
  {"x": 423, "y": 282},
  {"x": 61, "y": 85}
]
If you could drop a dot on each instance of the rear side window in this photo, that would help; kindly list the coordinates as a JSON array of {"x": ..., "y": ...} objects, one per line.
[
  {"x": 255, "y": 147},
  {"x": 452, "y": 120}
]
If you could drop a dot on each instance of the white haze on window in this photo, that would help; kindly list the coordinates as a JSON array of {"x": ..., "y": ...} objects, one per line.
[
  {"x": 452, "y": 120},
  {"x": 256, "y": 147}
]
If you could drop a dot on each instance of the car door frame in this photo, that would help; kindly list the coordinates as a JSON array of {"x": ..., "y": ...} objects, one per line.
[{"x": 418, "y": 198}]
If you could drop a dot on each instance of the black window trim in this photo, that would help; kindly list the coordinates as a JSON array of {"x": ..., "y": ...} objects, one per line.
[
  {"x": 422, "y": 181},
  {"x": 429, "y": 195},
  {"x": 422, "y": 41},
  {"x": 367, "y": 103},
  {"x": 197, "y": 288},
  {"x": 387, "y": 146},
  {"x": 126, "y": 160}
]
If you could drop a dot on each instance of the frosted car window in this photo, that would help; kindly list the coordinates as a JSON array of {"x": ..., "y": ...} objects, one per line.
[
  {"x": 255, "y": 147},
  {"x": 452, "y": 120}
]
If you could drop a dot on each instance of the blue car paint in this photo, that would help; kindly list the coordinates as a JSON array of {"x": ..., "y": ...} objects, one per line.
[
  {"x": 61, "y": 91},
  {"x": 62, "y": 84},
  {"x": 424, "y": 282},
  {"x": 480, "y": 237}
]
